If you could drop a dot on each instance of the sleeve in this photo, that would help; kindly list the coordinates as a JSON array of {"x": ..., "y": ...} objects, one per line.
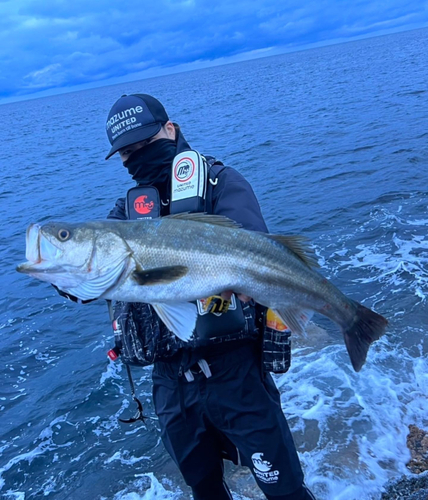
[
  {"x": 234, "y": 198},
  {"x": 119, "y": 210}
]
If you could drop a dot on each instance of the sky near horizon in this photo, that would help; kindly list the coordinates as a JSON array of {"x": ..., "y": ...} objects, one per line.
[{"x": 47, "y": 45}]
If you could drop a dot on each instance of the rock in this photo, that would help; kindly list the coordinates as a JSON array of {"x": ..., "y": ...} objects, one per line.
[
  {"x": 416, "y": 487},
  {"x": 407, "y": 488},
  {"x": 417, "y": 442}
]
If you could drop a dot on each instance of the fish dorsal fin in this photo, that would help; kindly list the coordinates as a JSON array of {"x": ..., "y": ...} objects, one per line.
[
  {"x": 298, "y": 245},
  {"x": 217, "y": 220}
]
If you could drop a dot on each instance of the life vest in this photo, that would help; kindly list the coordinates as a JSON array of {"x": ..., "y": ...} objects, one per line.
[
  {"x": 193, "y": 178},
  {"x": 189, "y": 186}
]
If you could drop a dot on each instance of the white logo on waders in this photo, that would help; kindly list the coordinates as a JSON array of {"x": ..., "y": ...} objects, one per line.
[{"x": 262, "y": 469}]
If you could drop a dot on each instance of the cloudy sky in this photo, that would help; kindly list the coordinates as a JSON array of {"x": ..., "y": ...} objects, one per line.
[{"x": 46, "y": 45}]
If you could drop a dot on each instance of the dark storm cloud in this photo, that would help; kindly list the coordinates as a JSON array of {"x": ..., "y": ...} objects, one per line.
[{"x": 58, "y": 43}]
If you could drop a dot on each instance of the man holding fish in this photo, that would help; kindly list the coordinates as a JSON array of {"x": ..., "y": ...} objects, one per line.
[{"x": 184, "y": 238}]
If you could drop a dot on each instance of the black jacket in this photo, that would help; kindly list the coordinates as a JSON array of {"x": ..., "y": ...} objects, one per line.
[{"x": 140, "y": 335}]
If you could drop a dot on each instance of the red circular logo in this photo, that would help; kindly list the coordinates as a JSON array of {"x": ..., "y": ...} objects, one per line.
[
  {"x": 142, "y": 206},
  {"x": 184, "y": 169}
]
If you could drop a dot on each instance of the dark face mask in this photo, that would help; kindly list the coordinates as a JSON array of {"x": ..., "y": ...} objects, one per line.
[{"x": 152, "y": 163}]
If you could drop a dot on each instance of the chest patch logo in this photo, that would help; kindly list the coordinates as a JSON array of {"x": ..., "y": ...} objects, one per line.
[{"x": 184, "y": 169}]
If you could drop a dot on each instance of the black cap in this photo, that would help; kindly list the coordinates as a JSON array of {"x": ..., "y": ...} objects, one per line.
[{"x": 134, "y": 118}]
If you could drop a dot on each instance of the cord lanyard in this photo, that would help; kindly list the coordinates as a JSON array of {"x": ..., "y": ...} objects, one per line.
[{"x": 139, "y": 415}]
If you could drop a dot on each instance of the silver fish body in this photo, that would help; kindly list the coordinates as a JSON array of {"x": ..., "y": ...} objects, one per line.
[{"x": 172, "y": 261}]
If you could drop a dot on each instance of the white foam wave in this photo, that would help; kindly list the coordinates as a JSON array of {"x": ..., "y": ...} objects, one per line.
[
  {"x": 124, "y": 457},
  {"x": 155, "y": 490},
  {"x": 351, "y": 428},
  {"x": 112, "y": 371},
  {"x": 148, "y": 487},
  {"x": 400, "y": 267},
  {"x": 45, "y": 443},
  {"x": 14, "y": 495}
]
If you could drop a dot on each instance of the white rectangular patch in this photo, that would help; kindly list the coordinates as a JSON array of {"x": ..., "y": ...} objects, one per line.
[{"x": 189, "y": 172}]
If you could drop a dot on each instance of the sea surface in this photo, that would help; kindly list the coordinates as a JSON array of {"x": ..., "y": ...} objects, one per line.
[{"x": 334, "y": 141}]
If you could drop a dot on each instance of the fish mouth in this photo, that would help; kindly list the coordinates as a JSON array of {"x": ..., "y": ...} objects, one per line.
[
  {"x": 32, "y": 250},
  {"x": 39, "y": 252},
  {"x": 38, "y": 268}
]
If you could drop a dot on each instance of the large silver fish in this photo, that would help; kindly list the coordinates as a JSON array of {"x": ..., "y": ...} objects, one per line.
[{"x": 172, "y": 261}]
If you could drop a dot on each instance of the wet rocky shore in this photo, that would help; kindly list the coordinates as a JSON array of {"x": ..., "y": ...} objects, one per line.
[
  {"x": 408, "y": 488},
  {"x": 412, "y": 487}
]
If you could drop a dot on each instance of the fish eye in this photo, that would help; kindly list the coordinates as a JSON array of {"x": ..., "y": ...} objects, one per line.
[{"x": 63, "y": 234}]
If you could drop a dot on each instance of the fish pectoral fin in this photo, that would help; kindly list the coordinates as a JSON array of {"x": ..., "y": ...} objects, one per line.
[
  {"x": 179, "y": 317},
  {"x": 160, "y": 275},
  {"x": 295, "y": 319},
  {"x": 216, "y": 220},
  {"x": 298, "y": 245}
]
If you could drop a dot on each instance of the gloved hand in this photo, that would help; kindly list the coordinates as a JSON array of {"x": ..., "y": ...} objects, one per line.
[{"x": 220, "y": 303}]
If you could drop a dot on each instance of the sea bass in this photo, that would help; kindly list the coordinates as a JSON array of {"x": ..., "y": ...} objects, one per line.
[{"x": 172, "y": 261}]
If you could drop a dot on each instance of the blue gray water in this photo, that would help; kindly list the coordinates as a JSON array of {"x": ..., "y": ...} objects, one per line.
[{"x": 334, "y": 142}]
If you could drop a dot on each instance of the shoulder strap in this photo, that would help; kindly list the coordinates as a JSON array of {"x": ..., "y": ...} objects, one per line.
[{"x": 215, "y": 167}]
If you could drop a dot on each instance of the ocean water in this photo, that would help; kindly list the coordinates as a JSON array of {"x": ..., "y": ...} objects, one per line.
[{"x": 334, "y": 142}]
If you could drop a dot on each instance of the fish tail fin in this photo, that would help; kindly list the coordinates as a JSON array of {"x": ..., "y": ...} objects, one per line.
[{"x": 367, "y": 327}]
